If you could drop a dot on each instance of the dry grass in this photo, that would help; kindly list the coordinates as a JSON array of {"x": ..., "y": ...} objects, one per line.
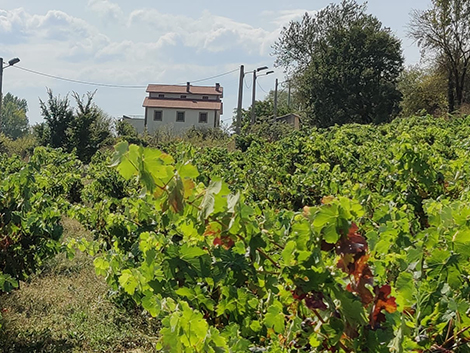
[{"x": 66, "y": 309}]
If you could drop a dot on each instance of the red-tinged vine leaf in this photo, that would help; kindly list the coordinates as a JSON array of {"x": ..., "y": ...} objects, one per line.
[
  {"x": 364, "y": 292},
  {"x": 383, "y": 301},
  {"x": 176, "y": 197},
  {"x": 362, "y": 276},
  {"x": 326, "y": 246},
  {"x": 298, "y": 294},
  {"x": 225, "y": 241},
  {"x": 353, "y": 243},
  {"x": 361, "y": 269},
  {"x": 213, "y": 229},
  {"x": 314, "y": 300},
  {"x": 5, "y": 242}
]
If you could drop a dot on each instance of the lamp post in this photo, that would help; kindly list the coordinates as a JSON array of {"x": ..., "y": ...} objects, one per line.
[
  {"x": 10, "y": 63},
  {"x": 253, "y": 116},
  {"x": 240, "y": 100}
]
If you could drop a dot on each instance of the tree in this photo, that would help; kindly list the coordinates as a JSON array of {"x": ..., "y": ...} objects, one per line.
[
  {"x": 89, "y": 127},
  {"x": 84, "y": 129},
  {"x": 423, "y": 91},
  {"x": 444, "y": 30},
  {"x": 14, "y": 122},
  {"x": 58, "y": 115},
  {"x": 344, "y": 63},
  {"x": 264, "y": 110}
]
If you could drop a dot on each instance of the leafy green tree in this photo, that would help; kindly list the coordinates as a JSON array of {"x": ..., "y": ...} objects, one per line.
[
  {"x": 264, "y": 109},
  {"x": 89, "y": 128},
  {"x": 84, "y": 129},
  {"x": 344, "y": 63},
  {"x": 58, "y": 115},
  {"x": 125, "y": 129},
  {"x": 14, "y": 122},
  {"x": 423, "y": 90},
  {"x": 443, "y": 31}
]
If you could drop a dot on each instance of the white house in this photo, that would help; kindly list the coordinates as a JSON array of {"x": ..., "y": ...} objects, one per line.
[
  {"x": 137, "y": 123},
  {"x": 178, "y": 108}
]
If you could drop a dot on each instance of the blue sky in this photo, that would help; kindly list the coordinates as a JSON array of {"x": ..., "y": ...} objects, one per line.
[{"x": 140, "y": 42}]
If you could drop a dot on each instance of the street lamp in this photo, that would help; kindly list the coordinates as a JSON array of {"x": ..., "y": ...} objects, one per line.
[
  {"x": 253, "y": 117},
  {"x": 2, "y": 66}
]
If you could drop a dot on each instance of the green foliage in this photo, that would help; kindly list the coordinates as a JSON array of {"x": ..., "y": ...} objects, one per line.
[
  {"x": 439, "y": 31},
  {"x": 345, "y": 65},
  {"x": 423, "y": 91},
  {"x": 221, "y": 248},
  {"x": 59, "y": 116},
  {"x": 380, "y": 266},
  {"x": 14, "y": 122},
  {"x": 22, "y": 146},
  {"x": 89, "y": 128},
  {"x": 127, "y": 132},
  {"x": 85, "y": 130},
  {"x": 30, "y": 223}
]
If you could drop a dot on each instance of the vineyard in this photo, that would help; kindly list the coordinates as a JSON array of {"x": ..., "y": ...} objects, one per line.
[{"x": 347, "y": 239}]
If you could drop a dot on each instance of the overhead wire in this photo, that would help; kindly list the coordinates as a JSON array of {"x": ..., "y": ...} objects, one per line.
[
  {"x": 261, "y": 87},
  {"x": 246, "y": 84},
  {"x": 97, "y": 84},
  {"x": 216, "y": 76},
  {"x": 79, "y": 81}
]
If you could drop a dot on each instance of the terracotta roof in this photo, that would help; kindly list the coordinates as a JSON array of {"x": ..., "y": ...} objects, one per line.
[
  {"x": 182, "y": 104},
  {"x": 209, "y": 90}
]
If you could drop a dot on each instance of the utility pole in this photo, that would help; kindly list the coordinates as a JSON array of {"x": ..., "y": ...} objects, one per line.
[
  {"x": 10, "y": 63},
  {"x": 253, "y": 97},
  {"x": 275, "y": 98},
  {"x": 1, "y": 94},
  {"x": 240, "y": 100}
]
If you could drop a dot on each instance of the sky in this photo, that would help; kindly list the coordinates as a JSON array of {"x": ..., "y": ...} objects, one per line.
[{"x": 124, "y": 45}]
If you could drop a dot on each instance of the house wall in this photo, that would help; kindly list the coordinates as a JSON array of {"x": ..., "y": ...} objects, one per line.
[
  {"x": 170, "y": 124},
  {"x": 188, "y": 96},
  {"x": 138, "y": 124},
  {"x": 290, "y": 119}
]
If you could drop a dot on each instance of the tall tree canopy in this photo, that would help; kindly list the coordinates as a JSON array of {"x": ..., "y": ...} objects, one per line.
[
  {"x": 423, "y": 90},
  {"x": 84, "y": 129},
  {"x": 444, "y": 31},
  {"x": 58, "y": 115},
  {"x": 14, "y": 122},
  {"x": 344, "y": 63}
]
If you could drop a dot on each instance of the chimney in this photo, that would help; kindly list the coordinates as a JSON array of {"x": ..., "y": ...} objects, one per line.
[
  {"x": 217, "y": 87},
  {"x": 188, "y": 84}
]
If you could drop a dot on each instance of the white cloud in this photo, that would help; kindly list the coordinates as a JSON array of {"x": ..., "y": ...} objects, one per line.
[
  {"x": 78, "y": 39},
  {"x": 106, "y": 9},
  {"x": 207, "y": 32},
  {"x": 284, "y": 17}
]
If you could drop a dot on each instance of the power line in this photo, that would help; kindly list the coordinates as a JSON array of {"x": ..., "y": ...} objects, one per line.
[
  {"x": 212, "y": 77},
  {"x": 261, "y": 87},
  {"x": 246, "y": 84},
  {"x": 110, "y": 85},
  {"x": 79, "y": 81}
]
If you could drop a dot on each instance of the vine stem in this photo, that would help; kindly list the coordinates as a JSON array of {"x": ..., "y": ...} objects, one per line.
[
  {"x": 457, "y": 334},
  {"x": 266, "y": 256}
]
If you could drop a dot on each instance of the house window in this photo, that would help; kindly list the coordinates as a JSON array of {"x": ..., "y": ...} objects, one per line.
[
  {"x": 183, "y": 97},
  {"x": 157, "y": 115},
  {"x": 202, "y": 118},
  {"x": 205, "y": 97},
  {"x": 180, "y": 117},
  {"x": 161, "y": 96}
]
